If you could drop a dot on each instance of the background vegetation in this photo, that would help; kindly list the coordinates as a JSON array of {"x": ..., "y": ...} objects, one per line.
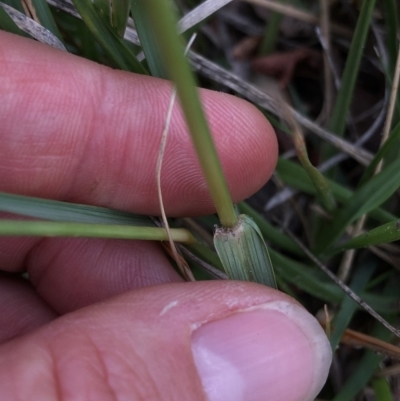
[{"x": 325, "y": 73}]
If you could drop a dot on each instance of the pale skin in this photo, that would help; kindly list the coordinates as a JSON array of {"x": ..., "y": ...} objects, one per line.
[{"x": 75, "y": 131}]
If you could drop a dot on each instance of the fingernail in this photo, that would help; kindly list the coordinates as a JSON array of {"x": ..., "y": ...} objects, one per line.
[{"x": 274, "y": 351}]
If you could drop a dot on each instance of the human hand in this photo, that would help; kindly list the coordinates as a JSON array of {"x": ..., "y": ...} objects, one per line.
[{"x": 94, "y": 325}]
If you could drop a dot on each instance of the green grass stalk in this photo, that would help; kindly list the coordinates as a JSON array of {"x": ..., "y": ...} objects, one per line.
[
  {"x": 162, "y": 21},
  {"x": 58, "y": 229}
]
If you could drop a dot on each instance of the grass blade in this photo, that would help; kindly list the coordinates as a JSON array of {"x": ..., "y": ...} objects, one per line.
[
  {"x": 387, "y": 147},
  {"x": 342, "y": 104},
  {"x": 146, "y": 33},
  {"x": 68, "y": 212},
  {"x": 367, "y": 198},
  {"x": 382, "y": 389},
  {"x": 370, "y": 361},
  {"x": 365, "y": 369},
  {"x": 390, "y": 10},
  {"x": 320, "y": 183},
  {"x": 115, "y": 12},
  {"x": 348, "y": 307},
  {"x": 148, "y": 40},
  {"x": 45, "y": 17},
  {"x": 269, "y": 232},
  {"x": 306, "y": 278},
  {"x": 346, "y": 289},
  {"x": 113, "y": 45},
  {"x": 295, "y": 176},
  {"x": 119, "y": 15},
  {"x": 269, "y": 40},
  {"x": 380, "y": 235}
]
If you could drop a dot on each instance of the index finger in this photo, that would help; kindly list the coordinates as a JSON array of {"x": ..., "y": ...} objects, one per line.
[{"x": 77, "y": 131}]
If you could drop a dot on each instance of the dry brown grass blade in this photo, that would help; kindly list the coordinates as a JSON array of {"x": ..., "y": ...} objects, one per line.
[
  {"x": 318, "y": 180},
  {"x": 179, "y": 260},
  {"x": 170, "y": 247},
  {"x": 327, "y": 326},
  {"x": 30, "y": 10},
  {"x": 357, "y": 339},
  {"x": 172, "y": 250}
]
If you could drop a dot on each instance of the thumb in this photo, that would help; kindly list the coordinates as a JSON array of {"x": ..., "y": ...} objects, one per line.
[{"x": 188, "y": 341}]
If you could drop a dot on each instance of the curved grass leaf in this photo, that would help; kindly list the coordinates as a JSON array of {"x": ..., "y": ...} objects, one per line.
[
  {"x": 315, "y": 283},
  {"x": 308, "y": 279},
  {"x": 294, "y": 175},
  {"x": 368, "y": 197},
  {"x": 321, "y": 185},
  {"x": 380, "y": 235},
  {"x": 387, "y": 147},
  {"x": 269, "y": 232}
]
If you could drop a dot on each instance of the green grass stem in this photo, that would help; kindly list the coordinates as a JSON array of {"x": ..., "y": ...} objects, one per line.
[
  {"x": 162, "y": 21},
  {"x": 58, "y": 229}
]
